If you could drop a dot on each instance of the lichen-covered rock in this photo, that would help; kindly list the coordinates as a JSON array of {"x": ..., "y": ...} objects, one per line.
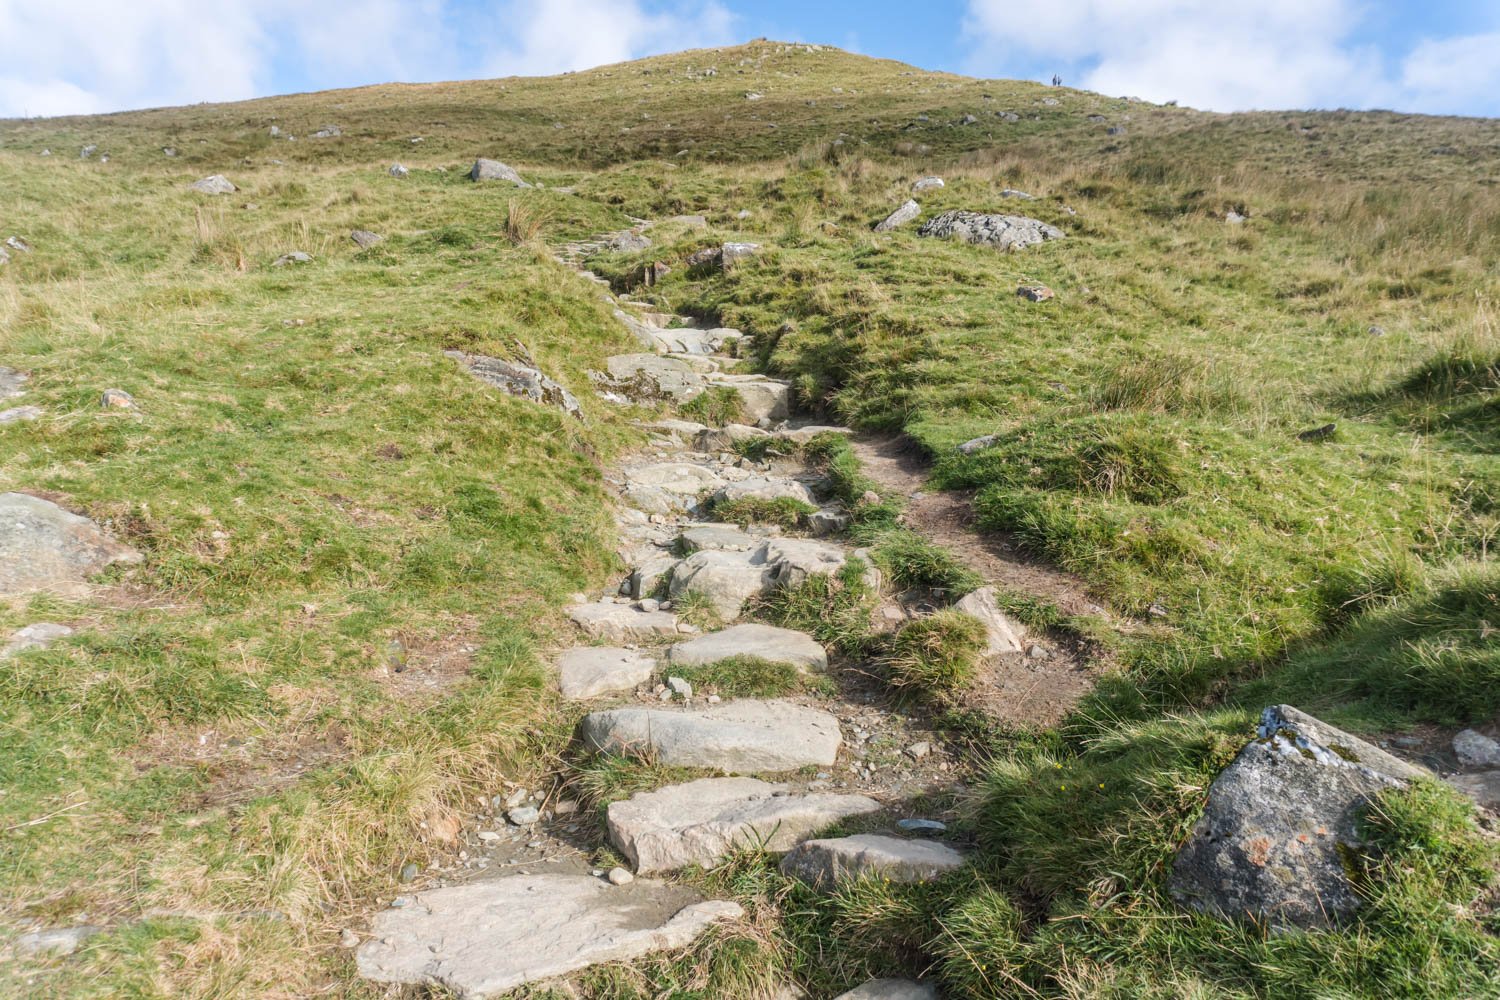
[
  {"x": 1004, "y": 232},
  {"x": 45, "y": 548},
  {"x": 1280, "y": 824},
  {"x": 519, "y": 380}
]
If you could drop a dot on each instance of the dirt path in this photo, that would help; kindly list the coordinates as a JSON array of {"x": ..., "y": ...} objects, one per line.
[{"x": 1019, "y": 689}]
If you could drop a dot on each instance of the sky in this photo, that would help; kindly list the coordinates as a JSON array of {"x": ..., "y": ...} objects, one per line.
[{"x": 85, "y": 56}]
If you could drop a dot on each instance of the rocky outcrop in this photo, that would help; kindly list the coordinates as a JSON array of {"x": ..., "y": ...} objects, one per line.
[
  {"x": 484, "y": 938},
  {"x": 521, "y": 381},
  {"x": 700, "y": 822},
  {"x": 45, "y": 548},
  {"x": 1004, "y": 232},
  {"x": 1281, "y": 824},
  {"x": 737, "y": 737},
  {"x": 824, "y": 863}
]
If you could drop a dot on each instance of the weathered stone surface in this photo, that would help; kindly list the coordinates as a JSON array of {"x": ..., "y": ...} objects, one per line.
[
  {"x": 364, "y": 239},
  {"x": 891, "y": 989},
  {"x": 621, "y": 623},
  {"x": 12, "y": 383},
  {"x": 37, "y": 636},
  {"x": 674, "y": 477},
  {"x": 17, "y": 244},
  {"x": 908, "y": 211},
  {"x": 1004, "y": 232},
  {"x": 213, "y": 184},
  {"x": 763, "y": 642},
  {"x": 1280, "y": 821},
  {"x": 702, "y": 821},
  {"x": 295, "y": 257},
  {"x": 825, "y": 862},
  {"x": 1005, "y": 636},
  {"x": 646, "y": 579},
  {"x": 738, "y": 737},
  {"x": 726, "y": 579},
  {"x": 628, "y": 242},
  {"x": 733, "y": 253},
  {"x": 1474, "y": 749},
  {"x": 647, "y": 377},
  {"x": 764, "y": 488},
  {"x": 1483, "y": 788},
  {"x": 804, "y": 434},
  {"x": 793, "y": 560},
  {"x": 725, "y": 438},
  {"x": 55, "y": 942},
  {"x": 590, "y": 671},
  {"x": 519, "y": 380},
  {"x": 494, "y": 170},
  {"x": 116, "y": 399},
  {"x": 484, "y": 938},
  {"x": 17, "y": 414},
  {"x": 719, "y": 537},
  {"x": 1036, "y": 293},
  {"x": 328, "y": 132},
  {"x": 926, "y": 184},
  {"x": 761, "y": 398},
  {"x": 45, "y": 548},
  {"x": 973, "y": 445}
]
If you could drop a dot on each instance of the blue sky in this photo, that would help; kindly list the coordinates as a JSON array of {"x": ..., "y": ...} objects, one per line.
[{"x": 1442, "y": 56}]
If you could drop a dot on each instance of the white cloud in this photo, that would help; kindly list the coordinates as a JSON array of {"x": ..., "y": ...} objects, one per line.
[
  {"x": 1226, "y": 56},
  {"x": 84, "y": 56},
  {"x": 554, "y": 36}
]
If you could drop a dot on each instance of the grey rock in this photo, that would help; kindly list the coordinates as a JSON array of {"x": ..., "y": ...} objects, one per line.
[
  {"x": 764, "y": 488},
  {"x": 908, "y": 211},
  {"x": 45, "y": 548},
  {"x": 20, "y": 413},
  {"x": 680, "y": 687},
  {"x": 926, "y": 184},
  {"x": 891, "y": 989},
  {"x": 524, "y": 815},
  {"x": 494, "y": 170},
  {"x": 922, "y": 825},
  {"x": 978, "y": 444},
  {"x": 1004, "y": 635},
  {"x": 1036, "y": 293},
  {"x": 793, "y": 560},
  {"x": 738, "y": 737},
  {"x": 4, "y": 256},
  {"x": 1476, "y": 750},
  {"x": 274, "y": 131},
  {"x": 1483, "y": 788},
  {"x": 168, "y": 151},
  {"x": 1013, "y": 193},
  {"x": 484, "y": 938},
  {"x": 824, "y": 863},
  {"x": 620, "y": 876},
  {"x": 685, "y": 478},
  {"x": 295, "y": 257},
  {"x": 116, "y": 399},
  {"x": 649, "y": 377},
  {"x": 1004, "y": 232},
  {"x": 620, "y": 623},
  {"x": 763, "y": 642},
  {"x": 397, "y": 170},
  {"x": 54, "y": 942},
  {"x": 727, "y": 437},
  {"x": 629, "y": 242},
  {"x": 328, "y": 132},
  {"x": 213, "y": 184},
  {"x": 761, "y": 399},
  {"x": 647, "y": 577},
  {"x": 87, "y": 151},
  {"x": 17, "y": 244},
  {"x": 1233, "y": 218},
  {"x": 365, "y": 239},
  {"x": 1280, "y": 821},
  {"x": 12, "y": 383},
  {"x": 726, "y": 579},
  {"x": 700, "y": 822},
  {"x": 828, "y": 521},
  {"x": 519, "y": 380},
  {"x": 719, "y": 537},
  {"x": 733, "y": 253},
  {"x": 590, "y": 671},
  {"x": 690, "y": 221},
  {"x": 37, "y": 636}
]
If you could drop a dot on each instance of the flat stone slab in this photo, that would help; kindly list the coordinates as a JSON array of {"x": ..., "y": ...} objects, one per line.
[
  {"x": 891, "y": 989},
  {"x": 45, "y": 548},
  {"x": 824, "y": 863},
  {"x": 763, "y": 642},
  {"x": 1002, "y": 634},
  {"x": 484, "y": 938},
  {"x": 685, "y": 478},
  {"x": 761, "y": 398},
  {"x": 796, "y": 559},
  {"x": 621, "y": 623},
  {"x": 908, "y": 211},
  {"x": 719, "y": 537},
  {"x": 726, "y": 579},
  {"x": 725, "y": 438},
  {"x": 738, "y": 737},
  {"x": 702, "y": 821},
  {"x": 1279, "y": 821},
  {"x": 645, "y": 377},
  {"x": 765, "y": 488},
  {"x": 16, "y": 414},
  {"x": 37, "y": 636},
  {"x": 590, "y": 671}
]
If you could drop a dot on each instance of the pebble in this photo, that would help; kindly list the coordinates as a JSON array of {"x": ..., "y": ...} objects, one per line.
[
  {"x": 680, "y": 687},
  {"x": 524, "y": 816},
  {"x": 619, "y": 876},
  {"x": 919, "y": 750}
]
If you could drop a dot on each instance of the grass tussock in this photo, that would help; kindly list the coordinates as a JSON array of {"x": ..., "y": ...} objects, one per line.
[
  {"x": 785, "y": 512},
  {"x": 937, "y": 656}
]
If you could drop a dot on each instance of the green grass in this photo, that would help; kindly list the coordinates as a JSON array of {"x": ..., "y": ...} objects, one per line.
[
  {"x": 937, "y": 656},
  {"x": 834, "y": 609},
  {"x": 787, "y": 512},
  {"x": 747, "y": 677},
  {"x": 716, "y": 406}
]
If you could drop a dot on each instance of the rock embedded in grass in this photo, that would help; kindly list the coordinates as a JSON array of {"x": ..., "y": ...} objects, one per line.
[
  {"x": 727, "y": 580},
  {"x": 12, "y": 383},
  {"x": 213, "y": 184},
  {"x": 1004, "y": 232},
  {"x": 364, "y": 239},
  {"x": 926, "y": 184},
  {"x": 762, "y": 642},
  {"x": 1036, "y": 293},
  {"x": 518, "y": 380},
  {"x": 737, "y": 737},
  {"x": 978, "y": 444},
  {"x": 1483, "y": 788},
  {"x": 1280, "y": 823},
  {"x": 891, "y": 989},
  {"x": 18, "y": 414},
  {"x": 44, "y": 548},
  {"x": 590, "y": 671},
  {"x": 54, "y": 942},
  {"x": 494, "y": 170},
  {"x": 825, "y": 863},
  {"x": 295, "y": 257},
  {"x": 398, "y": 171},
  {"x": 908, "y": 211},
  {"x": 701, "y": 822},
  {"x": 1002, "y": 635},
  {"x": 36, "y": 636},
  {"x": 484, "y": 938}
]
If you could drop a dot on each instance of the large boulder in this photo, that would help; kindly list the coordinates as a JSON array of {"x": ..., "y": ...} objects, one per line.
[
  {"x": 908, "y": 211},
  {"x": 484, "y": 938},
  {"x": 738, "y": 737},
  {"x": 1004, "y": 232},
  {"x": 519, "y": 380},
  {"x": 590, "y": 671},
  {"x": 1281, "y": 823},
  {"x": 45, "y": 548},
  {"x": 1001, "y": 634},
  {"x": 793, "y": 560},
  {"x": 762, "y": 642},
  {"x": 494, "y": 170},
  {"x": 824, "y": 863},
  {"x": 702, "y": 821}
]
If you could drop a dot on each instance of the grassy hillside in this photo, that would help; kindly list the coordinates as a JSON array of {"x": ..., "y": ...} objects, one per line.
[{"x": 355, "y": 552}]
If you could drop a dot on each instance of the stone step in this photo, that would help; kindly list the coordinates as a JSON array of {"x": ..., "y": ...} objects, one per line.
[
  {"x": 824, "y": 863},
  {"x": 621, "y": 623},
  {"x": 762, "y": 642},
  {"x": 589, "y": 671},
  {"x": 701, "y": 822},
  {"x": 484, "y": 938},
  {"x": 746, "y": 736}
]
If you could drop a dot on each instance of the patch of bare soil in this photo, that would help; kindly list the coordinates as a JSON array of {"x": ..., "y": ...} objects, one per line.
[
  {"x": 243, "y": 763},
  {"x": 1038, "y": 687}
]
